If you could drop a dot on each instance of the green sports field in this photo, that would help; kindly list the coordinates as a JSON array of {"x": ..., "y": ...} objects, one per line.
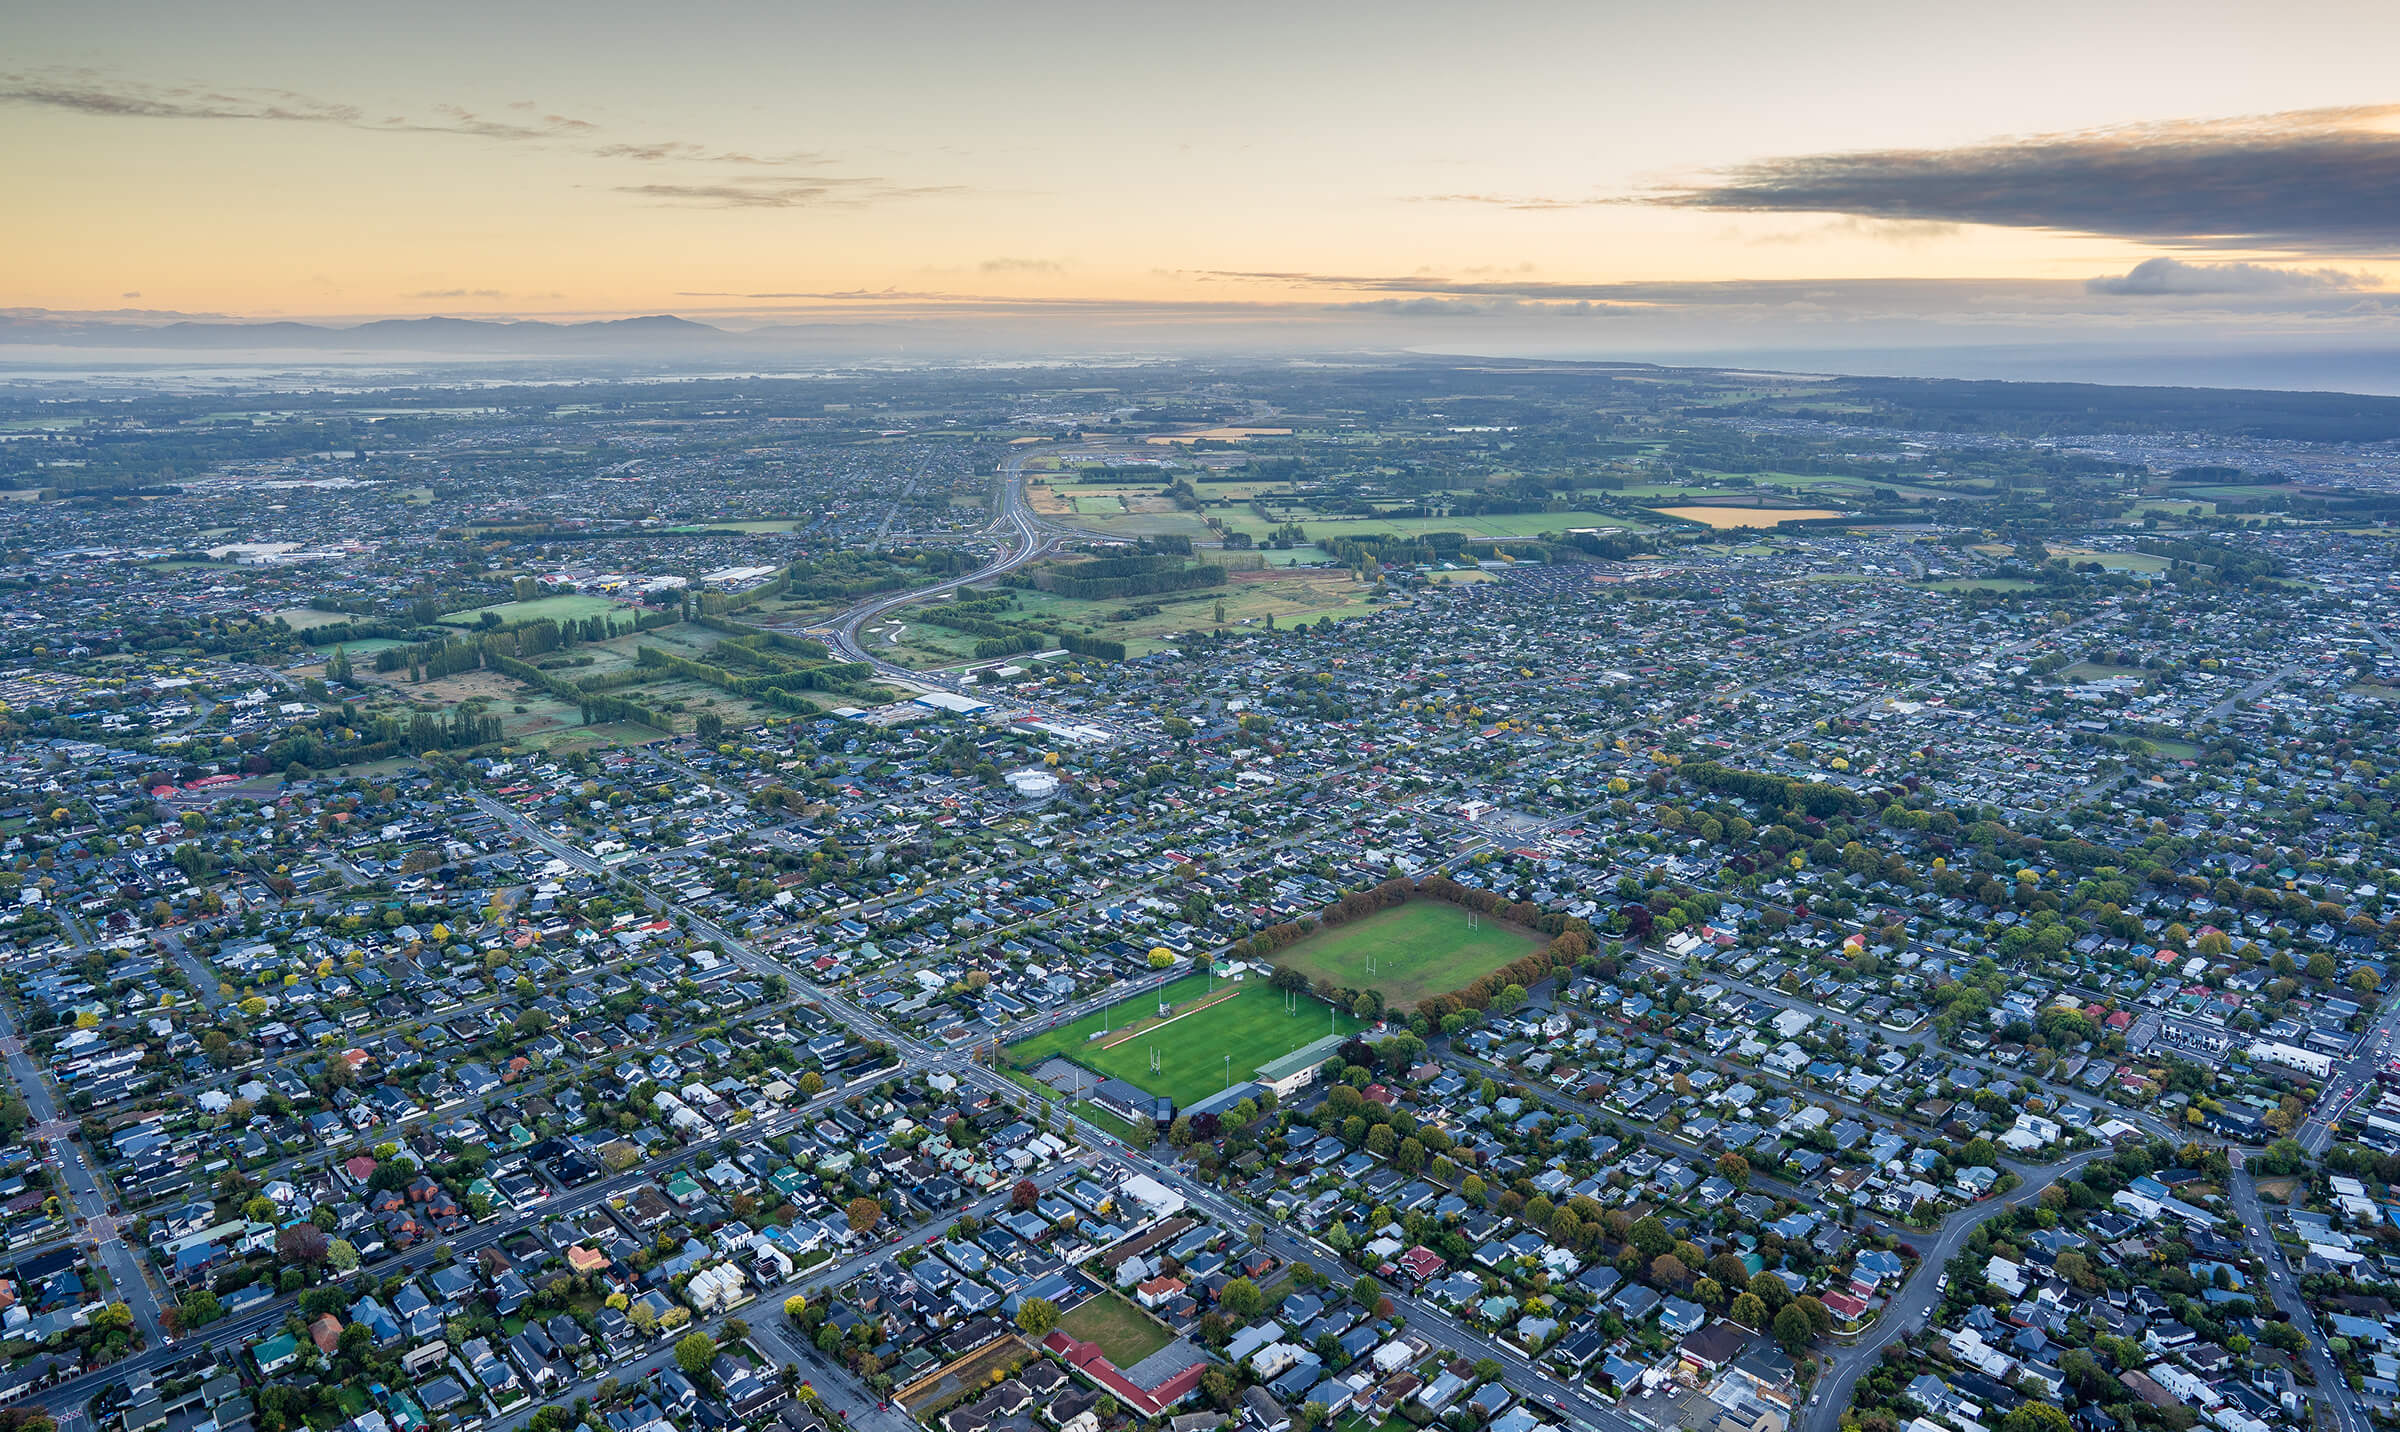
[
  {"x": 557, "y": 609},
  {"x": 1425, "y": 947},
  {"x": 1247, "y": 1021}
]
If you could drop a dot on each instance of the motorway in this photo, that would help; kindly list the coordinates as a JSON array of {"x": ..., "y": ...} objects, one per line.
[{"x": 1024, "y": 537}]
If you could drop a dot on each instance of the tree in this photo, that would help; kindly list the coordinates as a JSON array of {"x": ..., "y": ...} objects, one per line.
[
  {"x": 812, "y": 1084},
  {"x": 2030, "y": 1416},
  {"x": 1748, "y": 1310},
  {"x": 199, "y": 1307},
  {"x": 1792, "y": 1332},
  {"x": 1024, "y": 1196},
  {"x": 1036, "y": 1317},
  {"x": 1820, "y": 1317},
  {"x": 342, "y": 1254},
  {"x": 1242, "y": 1300},
  {"x": 643, "y": 1317},
  {"x": 1219, "y": 1387},
  {"x": 795, "y": 1305},
  {"x": 694, "y": 1352},
  {"x": 865, "y": 1213},
  {"x": 1770, "y": 1290},
  {"x": 1734, "y": 1169},
  {"x": 302, "y": 1243},
  {"x": 1669, "y": 1271}
]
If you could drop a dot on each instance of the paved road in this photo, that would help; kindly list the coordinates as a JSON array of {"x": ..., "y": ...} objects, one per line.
[
  {"x": 1917, "y": 1298},
  {"x": 231, "y": 1335},
  {"x": 86, "y": 1197},
  {"x": 1563, "y": 1397},
  {"x": 2285, "y": 1289},
  {"x": 2350, "y": 1082},
  {"x": 1023, "y": 537},
  {"x": 774, "y": 1335},
  {"x": 1924, "y": 1038}
]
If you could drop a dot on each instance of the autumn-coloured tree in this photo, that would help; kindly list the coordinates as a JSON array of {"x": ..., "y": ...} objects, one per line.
[{"x": 865, "y": 1213}]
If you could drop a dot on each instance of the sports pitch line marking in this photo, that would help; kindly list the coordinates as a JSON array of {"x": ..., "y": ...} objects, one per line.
[{"x": 1188, "y": 1010}]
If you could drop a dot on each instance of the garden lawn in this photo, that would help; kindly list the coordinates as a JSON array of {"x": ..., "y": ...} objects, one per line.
[{"x": 1125, "y": 1334}]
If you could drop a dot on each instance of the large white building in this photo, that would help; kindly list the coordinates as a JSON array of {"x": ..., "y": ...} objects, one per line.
[
  {"x": 2290, "y": 1056},
  {"x": 713, "y": 1289}
]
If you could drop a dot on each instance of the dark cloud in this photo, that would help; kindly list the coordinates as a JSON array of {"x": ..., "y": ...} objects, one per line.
[
  {"x": 2249, "y": 286},
  {"x": 2165, "y": 277},
  {"x": 2307, "y": 181}
]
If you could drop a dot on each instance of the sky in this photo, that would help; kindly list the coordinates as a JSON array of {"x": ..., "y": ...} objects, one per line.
[{"x": 1717, "y": 175}]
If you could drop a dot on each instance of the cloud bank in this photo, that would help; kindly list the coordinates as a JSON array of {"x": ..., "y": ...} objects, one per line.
[
  {"x": 2321, "y": 181},
  {"x": 2165, "y": 277}
]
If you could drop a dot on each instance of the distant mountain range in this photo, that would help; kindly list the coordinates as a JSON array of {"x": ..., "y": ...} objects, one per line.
[{"x": 615, "y": 337}]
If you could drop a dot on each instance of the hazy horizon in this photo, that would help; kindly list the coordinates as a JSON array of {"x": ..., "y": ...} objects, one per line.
[{"x": 2147, "y": 190}]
